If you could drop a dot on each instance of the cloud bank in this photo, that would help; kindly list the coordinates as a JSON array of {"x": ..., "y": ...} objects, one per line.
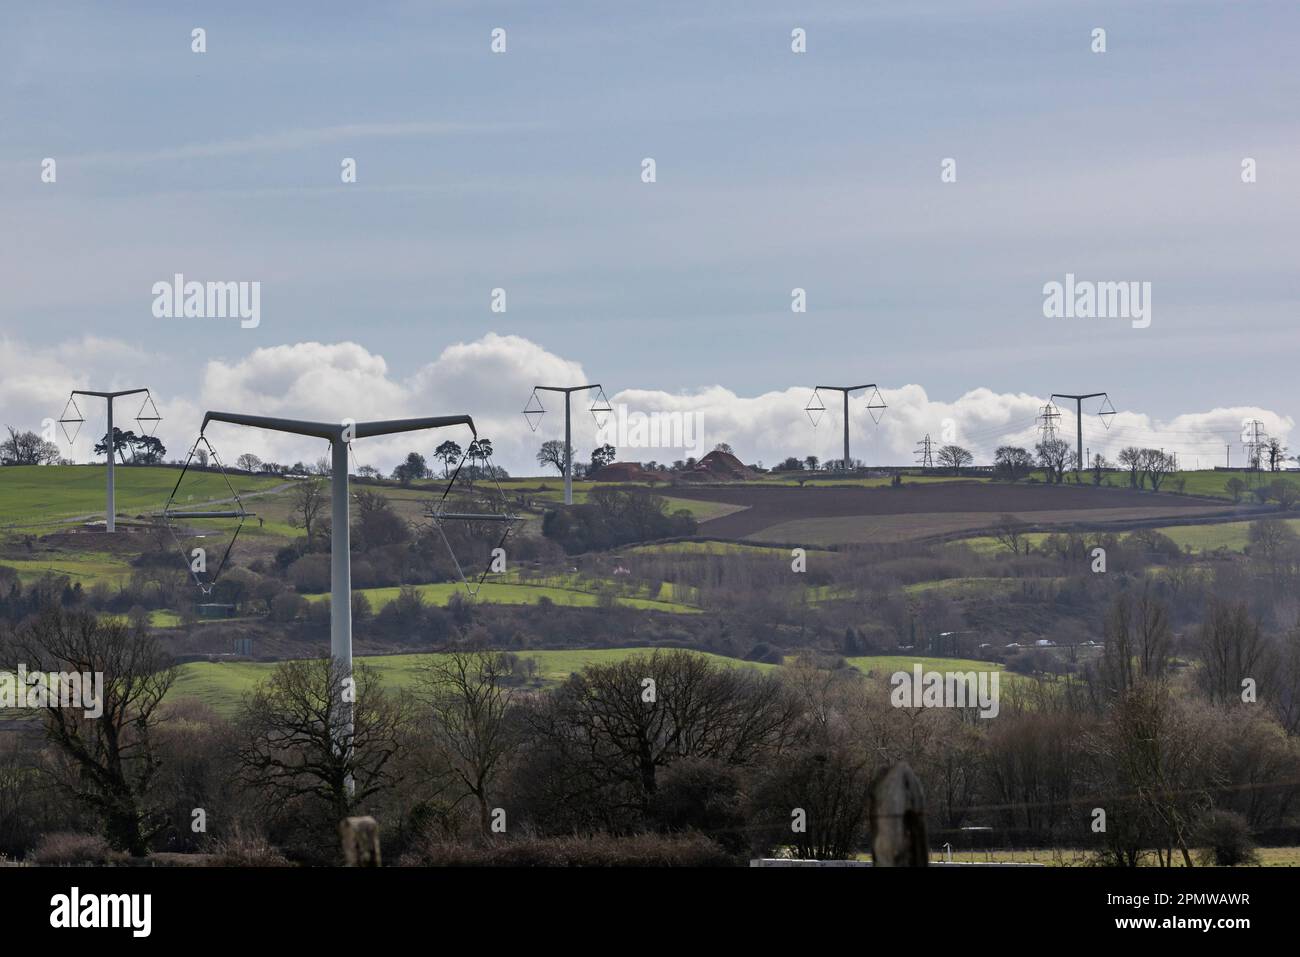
[{"x": 491, "y": 379}]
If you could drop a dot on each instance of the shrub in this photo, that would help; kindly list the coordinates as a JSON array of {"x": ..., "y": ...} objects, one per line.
[
  {"x": 68, "y": 849},
  {"x": 287, "y": 606},
  {"x": 311, "y": 573},
  {"x": 1225, "y": 839},
  {"x": 594, "y": 850},
  {"x": 247, "y": 850}
]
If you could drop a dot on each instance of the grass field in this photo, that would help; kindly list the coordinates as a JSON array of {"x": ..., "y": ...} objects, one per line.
[
  {"x": 89, "y": 568},
  {"x": 708, "y": 548},
  {"x": 1233, "y": 536},
  {"x": 509, "y": 593},
  {"x": 31, "y": 495},
  {"x": 888, "y": 664},
  {"x": 828, "y": 479},
  {"x": 1079, "y": 857},
  {"x": 221, "y": 686},
  {"x": 969, "y": 587}
]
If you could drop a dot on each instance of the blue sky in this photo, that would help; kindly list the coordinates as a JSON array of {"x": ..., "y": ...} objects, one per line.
[{"x": 775, "y": 171}]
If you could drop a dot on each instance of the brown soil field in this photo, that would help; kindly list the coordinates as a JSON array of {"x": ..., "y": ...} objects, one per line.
[{"x": 847, "y": 514}]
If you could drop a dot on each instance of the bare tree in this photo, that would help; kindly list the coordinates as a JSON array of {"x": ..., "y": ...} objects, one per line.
[
  {"x": 1154, "y": 753},
  {"x": 1010, "y": 531},
  {"x": 108, "y": 762},
  {"x": 1157, "y": 464},
  {"x": 1132, "y": 458},
  {"x": 248, "y": 462},
  {"x": 1285, "y": 493},
  {"x": 1232, "y": 648},
  {"x": 954, "y": 457},
  {"x": 305, "y": 505},
  {"x": 1012, "y": 462},
  {"x": 292, "y": 744},
  {"x": 471, "y": 704},
  {"x": 1138, "y": 642},
  {"x": 1099, "y": 466},
  {"x": 1286, "y": 678},
  {"x": 1054, "y": 458},
  {"x": 27, "y": 448},
  {"x": 1276, "y": 454},
  {"x": 1271, "y": 541},
  {"x": 552, "y": 453},
  {"x": 616, "y": 725}
]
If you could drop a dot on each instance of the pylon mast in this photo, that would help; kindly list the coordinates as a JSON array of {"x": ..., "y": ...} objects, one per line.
[
  {"x": 1078, "y": 420},
  {"x": 846, "y": 390}
]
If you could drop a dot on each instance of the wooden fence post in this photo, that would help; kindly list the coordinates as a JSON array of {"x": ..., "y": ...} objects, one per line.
[
  {"x": 898, "y": 819},
  {"x": 360, "y": 837}
]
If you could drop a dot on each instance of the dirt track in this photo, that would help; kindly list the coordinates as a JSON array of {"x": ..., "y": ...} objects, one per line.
[{"x": 863, "y": 514}]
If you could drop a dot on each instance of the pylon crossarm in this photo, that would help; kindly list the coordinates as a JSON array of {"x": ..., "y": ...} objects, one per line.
[
  {"x": 472, "y": 517},
  {"x": 169, "y": 514},
  {"x": 440, "y": 513}
]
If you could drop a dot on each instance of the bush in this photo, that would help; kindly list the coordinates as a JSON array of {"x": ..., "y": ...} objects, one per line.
[
  {"x": 311, "y": 573},
  {"x": 612, "y": 517},
  {"x": 247, "y": 850},
  {"x": 67, "y": 849},
  {"x": 595, "y": 850},
  {"x": 287, "y": 606},
  {"x": 1225, "y": 840}
]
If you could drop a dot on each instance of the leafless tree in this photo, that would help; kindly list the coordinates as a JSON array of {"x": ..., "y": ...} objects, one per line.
[
  {"x": 248, "y": 462},
  {"x": 1054, "y": 457},
  {"x": 1012, "y": 462},
  {"x": 618, "y": 724},
  {"x": 305, "y": 505},
  {"x": 1286, "y": 494},
  {"x": 108, "y": 762},
  {"x": 1156, "y": 463},
  {"x": 1132, "y": 458},
  {"x": 1232, "y": 648},
  {"x": 1154, "y": 757},
  {"x": 1138, "y": 642},
  {"x": 1010, "y": 531},
  {"x": 27, "y": 448},
  {"x": 1286, "y": 680},
  {"x": 470, "y": 701},
  {"x": 552, "y": 453},
  {"x": 1276, "y": 454},
  {"x": 291, "y": 743},
  {"x": 954, "y": 457}
]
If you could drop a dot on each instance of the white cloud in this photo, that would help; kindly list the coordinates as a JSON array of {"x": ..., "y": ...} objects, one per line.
[{"x": 491, "y": 378}]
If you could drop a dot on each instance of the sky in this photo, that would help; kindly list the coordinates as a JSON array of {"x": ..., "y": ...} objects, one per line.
[{"x": 522, "y": 171}]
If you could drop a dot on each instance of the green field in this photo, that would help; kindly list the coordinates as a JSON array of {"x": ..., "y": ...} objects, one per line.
[
  {"x": 1233, "y": 536},
  {"x": 509, "y": 593},
  {"x": 887, "y": 664},
  {"x": 828, "y": 479},
  {"x": 969, "y": 587},
  {"x": 90, "y": 568},
  {"x": 707, "y": 548},
  {"x": 32, "y": 495},
  {"x": 222, "y": 685}
]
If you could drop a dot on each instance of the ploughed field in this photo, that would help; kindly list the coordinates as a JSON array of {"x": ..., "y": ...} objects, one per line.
[{"x": 838, "y": 515}]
